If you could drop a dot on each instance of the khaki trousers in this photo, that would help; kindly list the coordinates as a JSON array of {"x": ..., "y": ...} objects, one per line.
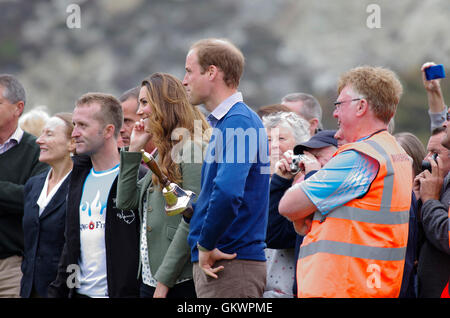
[
  {"x": 10, "y": 276},
  {"x": 238, "y": 279}
]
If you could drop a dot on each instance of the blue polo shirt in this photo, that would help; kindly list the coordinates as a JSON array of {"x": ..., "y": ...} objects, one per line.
[
  {"x": 232, "y": 208},
  {"x": 345, "y": 177}
]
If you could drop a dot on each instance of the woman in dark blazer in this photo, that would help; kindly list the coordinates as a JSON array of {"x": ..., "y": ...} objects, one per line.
[{"x": 45, "y": 207}]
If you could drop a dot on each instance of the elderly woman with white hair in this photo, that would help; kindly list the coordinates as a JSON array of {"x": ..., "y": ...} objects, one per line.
[{"x": 284, "y": 130}]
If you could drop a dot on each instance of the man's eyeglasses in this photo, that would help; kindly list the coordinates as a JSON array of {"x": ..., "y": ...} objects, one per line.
[
  {"x": 337, "y": 104},
  {"x": 448, "y": 117}
]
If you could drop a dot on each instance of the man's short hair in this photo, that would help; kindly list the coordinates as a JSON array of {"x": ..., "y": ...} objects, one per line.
[
  {"x": 131, "y": 93},
  {"x": 13, "y": 90},
  {"x": 269, "y": 109},
  {"x": 110, "y": 109},
  {"x": 437, "y": 130},
  {"x": 379, "y": 86},
  {"x": 222, "y": 54},
  {"x": 311, "y": 106}
]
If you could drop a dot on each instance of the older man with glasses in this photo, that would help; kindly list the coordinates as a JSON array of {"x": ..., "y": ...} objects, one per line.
[{"x": 355, "y": 244}]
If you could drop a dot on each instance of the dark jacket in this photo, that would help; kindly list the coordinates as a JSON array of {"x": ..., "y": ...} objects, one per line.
[
  {"x": 433, "y": 270},
  {"x": 408, "y": 289},
  {"x": 280, "y": 231},
  {"x": 43, "y": 236},
  {"x": 17, "y": 165},
  {"x": 121, "y": 241}
]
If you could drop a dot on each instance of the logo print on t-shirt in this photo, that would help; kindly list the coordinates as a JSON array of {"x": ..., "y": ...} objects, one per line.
[{"x": 95, "y": 207}]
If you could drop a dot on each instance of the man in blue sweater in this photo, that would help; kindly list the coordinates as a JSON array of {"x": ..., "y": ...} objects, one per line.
[{"x": 228, "y": 228}]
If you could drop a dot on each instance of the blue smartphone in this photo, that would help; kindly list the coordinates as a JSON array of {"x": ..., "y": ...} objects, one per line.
[{"x": 434, "y": 72}]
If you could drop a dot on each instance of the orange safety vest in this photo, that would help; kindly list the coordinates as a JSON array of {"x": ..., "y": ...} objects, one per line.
[{"x": 359, "y": 250}]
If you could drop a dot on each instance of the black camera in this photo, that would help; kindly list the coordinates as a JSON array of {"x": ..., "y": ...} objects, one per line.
[{"x": 426, "y": 165}]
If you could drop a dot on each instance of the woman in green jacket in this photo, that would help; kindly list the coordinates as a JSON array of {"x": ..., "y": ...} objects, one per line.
[{"x": 169, "y": 120}]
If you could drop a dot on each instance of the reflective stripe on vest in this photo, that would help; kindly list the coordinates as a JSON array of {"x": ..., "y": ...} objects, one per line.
[
  {"x": 368, "y": 233},
  {"x": 354, "y": 250},
  {"x": 355, "y": 214},
  {"x": 388, "y": 188}
]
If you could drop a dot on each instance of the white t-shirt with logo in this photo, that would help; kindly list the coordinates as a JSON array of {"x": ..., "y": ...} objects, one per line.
[{"x": 92, "y": 260}]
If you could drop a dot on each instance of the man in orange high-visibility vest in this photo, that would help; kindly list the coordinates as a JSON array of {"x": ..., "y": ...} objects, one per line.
[{"x": 359, "y": 201}]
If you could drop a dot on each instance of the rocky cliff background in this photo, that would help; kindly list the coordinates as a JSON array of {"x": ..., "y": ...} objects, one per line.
[{"x": 290, "y": 46}]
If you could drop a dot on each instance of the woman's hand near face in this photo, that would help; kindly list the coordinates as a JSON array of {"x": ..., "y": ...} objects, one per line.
[{"x": 139, "y": 136}]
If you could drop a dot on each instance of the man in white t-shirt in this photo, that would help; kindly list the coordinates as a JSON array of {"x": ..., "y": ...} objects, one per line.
[
  {"x": 92, "y": 263},
  {"x": 100, "y": 257}
]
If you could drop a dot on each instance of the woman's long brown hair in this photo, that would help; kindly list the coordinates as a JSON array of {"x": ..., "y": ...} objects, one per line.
[{"x": 170, "y": 109}]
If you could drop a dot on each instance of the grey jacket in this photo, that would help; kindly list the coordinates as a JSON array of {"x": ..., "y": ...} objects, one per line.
[{"x": 434, "y": 258}]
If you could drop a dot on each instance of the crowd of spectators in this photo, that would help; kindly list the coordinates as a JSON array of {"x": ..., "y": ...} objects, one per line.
[{"x": 281, "y": 206}]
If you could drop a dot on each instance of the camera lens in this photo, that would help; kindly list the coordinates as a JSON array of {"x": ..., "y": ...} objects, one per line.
[{"x": 426, "y": 165}]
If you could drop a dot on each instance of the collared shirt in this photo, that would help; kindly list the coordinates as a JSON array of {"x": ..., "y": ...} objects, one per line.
[
  {"x": 12, "y": 141},
  {"x": 45, "y": 199},
  {"x": 223, "y": 108}
]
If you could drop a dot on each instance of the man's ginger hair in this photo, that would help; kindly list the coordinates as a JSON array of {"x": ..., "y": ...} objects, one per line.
[{"x": 379, "y": 86}]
